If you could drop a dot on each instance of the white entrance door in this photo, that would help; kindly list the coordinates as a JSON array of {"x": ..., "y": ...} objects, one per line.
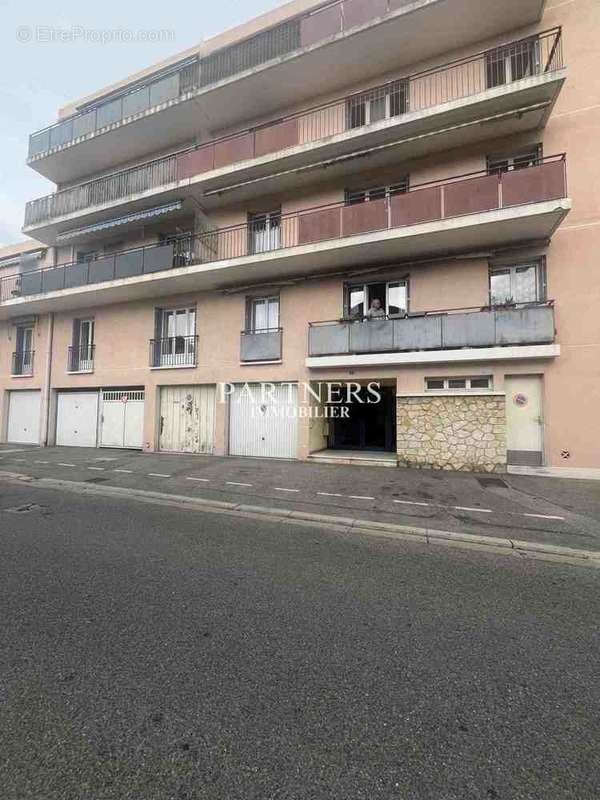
[
  {"x": 122, "y": 419},
  {"x": 524, "y": 420},
  {"x": 187, "y": 419},
  {"x": 23, "y": 417},
  {"x": 263, "y": 425},
  {"x": 77, "y": 419}
]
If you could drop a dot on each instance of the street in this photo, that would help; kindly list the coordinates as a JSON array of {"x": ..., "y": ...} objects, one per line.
[{"x": 152, "y": 652}]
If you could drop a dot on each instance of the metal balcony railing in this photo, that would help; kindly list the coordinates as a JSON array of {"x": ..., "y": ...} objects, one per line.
[
  {"x": 81, "y": 359},
  {"x": 433, "y": 201},
  {"x": 22, "y": 362},
  {"x": 174, "y": 351},
  {"x": 466, "y": 77},
  {"x": 524, "y": 324},
  {"x": 261, "y": 345}
]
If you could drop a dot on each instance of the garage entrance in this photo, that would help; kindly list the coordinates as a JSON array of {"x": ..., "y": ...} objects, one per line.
[
  {"x": 187, "y": 419},
  {"x": 77, "y": 419},
  {"x": 122, "y": 418},
  {"x": 24, "y": 410},
  {"x": 264, "y": 426}
]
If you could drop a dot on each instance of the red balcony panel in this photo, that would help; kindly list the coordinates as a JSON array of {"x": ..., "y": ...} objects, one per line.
[
  {"x": 277, "y": 137},
  {"x": 195, "y": 162},
  {"x": 421, "y": 205},
  {"x": 535, "y": 184},
  {"x": 471, "y": 196},
  {"x": 320, "y": 25},
  {"x": 357, "y": 12},
  {"x": 318, "y": 226},
  {"x": 230, "y": 151},
  {"x": 364, "y": 217}
]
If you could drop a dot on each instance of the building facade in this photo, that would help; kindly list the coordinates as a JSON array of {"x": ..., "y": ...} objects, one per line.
[{"x": 330, "y": 197}]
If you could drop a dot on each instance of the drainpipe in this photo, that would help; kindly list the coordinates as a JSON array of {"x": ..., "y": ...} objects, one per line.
[{"x": 47, "y": 383}]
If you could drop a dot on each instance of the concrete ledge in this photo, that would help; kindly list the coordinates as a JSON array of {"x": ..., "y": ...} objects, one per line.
[{"x": 576, "y": 473}]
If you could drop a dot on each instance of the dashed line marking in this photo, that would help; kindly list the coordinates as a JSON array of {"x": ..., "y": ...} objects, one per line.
[
  {"x": 411, "y": 503},
  {"x": 98, "y": 469},
  {"x": 281, "y": 489},
  {"x": 234, "y": 483},
  {"x": 65, "y": 465},
  {"x": 41, "y": 462},
  {"x": 359, "y": 497},
  {"x": 200, "y": 480},
  {"x": 329, "y": 494},
  {"x": 128, "y": 471},
  {"x": 479, "y": 510},
  {"x": 544, "y": 516},
  {"x": 157, "y": 475}
]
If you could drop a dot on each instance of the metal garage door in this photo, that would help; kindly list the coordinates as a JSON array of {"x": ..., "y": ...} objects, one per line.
[
  {"x": 122, "y": 418},
  {"x": 187, "y": 419},
  {"x": 24, "y": 417},
  {"x": 264, "y": 425},
  {"x": 77, "y": 419}
]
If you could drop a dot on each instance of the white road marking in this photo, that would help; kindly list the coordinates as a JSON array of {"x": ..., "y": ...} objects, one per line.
[
  {"x": 200, "y": 480},
  {"x": 98, "y": 469},
  {"x": 41, "y": 462},
  {"x": 157, "y": 475},
  {"x": 411, "y": 503},
  {"x": 65, "y": 465},
  {"x": 281, "y": 489},
  {"x": 233, "y": 483},
  {"x": 329, "y": 494},
  {"x": 358, "y": 497},
  {"x": 467, "y": 508},
  {"x": 544, "y": 516},
  {"x": 128, "y": 471}
]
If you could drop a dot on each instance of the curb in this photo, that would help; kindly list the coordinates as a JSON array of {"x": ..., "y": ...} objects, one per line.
[{"x": 428, "y": 536}]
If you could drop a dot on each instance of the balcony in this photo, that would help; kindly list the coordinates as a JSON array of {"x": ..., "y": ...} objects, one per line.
[
  {"x": 271, "y": 70},
  {"x": 81, "y": 359},
  {"x": 22, "y": 363},
  {"x": 173, "y": 352},
  {"x": 511, "y": 88},
  {"x": 434, "y": 337},
  {"x": 457, "y": 215},
  {"x": 260, "y": 346}
]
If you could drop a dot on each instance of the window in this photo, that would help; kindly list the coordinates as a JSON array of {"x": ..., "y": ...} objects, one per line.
[
  {"x": 511, "y": 63},
  {"x": 519, "y": 283},
  {"x": 392, "y": 296},
  {"x": 175, "y": 343},
  {"x": 82, "y": 351},
  {"x": 378, "y": 104},
  {"x": 264, "y": 232},
  {"x": 378, "y": 193},
  {"x": 23, "y": 359},
  {"x": 530, "y": 157},
  {"x": 458, "y": 384},
  {"x": 263, "y": 314},
  {"x": 84, "y": 256}
]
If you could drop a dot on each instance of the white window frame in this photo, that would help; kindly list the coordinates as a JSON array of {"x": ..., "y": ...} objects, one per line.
[
  {"x": 24, "y": 348},
  {"x": 368, "y": 99},
  {"x": 504, "y": 55},
  {"x": 169, "y": 355},
  {"x": 268, "y": 239},
  {"x": 268, "y": 301},
  {"x": 467, "y": 387},
  {"x": 364, "y": 287},
  {"x": 85, "y": 361},
  {"x": 512, "y": 270}
]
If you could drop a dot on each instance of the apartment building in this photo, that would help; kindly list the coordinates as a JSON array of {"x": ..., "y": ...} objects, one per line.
[{"x": 398, "y": 192}]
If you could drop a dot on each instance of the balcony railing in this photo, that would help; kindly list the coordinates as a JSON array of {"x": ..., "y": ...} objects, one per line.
[
  {"x": 174, "y": 351},
  {"x": 459, "y": 79},
  {"x": 531, "y": 323},
  {"x": 433, "y": 201},
  {"x": 22, "y": 362},
  {"x": 81, "y": 359},
  {"x": 261, "y": 345}
]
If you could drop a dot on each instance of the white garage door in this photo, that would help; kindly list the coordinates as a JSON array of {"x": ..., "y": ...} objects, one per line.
[
  {"x": 187, "y": 419},
  {"x": 263, "y": 425},
  {"x": 23, "y": 417},
  {"x": 77, "y": 419},
  {"x": 122, "y": 419}
]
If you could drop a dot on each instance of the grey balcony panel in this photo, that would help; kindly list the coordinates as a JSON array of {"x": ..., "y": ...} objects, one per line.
[
  {"x": 136, "y": 102},
  {"x": 164, "y": 90},
  {"x": 109, "y": 113},
  {"x": 39, "y": 143},
  {"x": 31, "y": 283},
  {"x": 371, "y": 336},
  {"x": 84, "y": 124},
  {"x": 77, "y": 275},
  {"x": 61, "y": 134},
  {"x": 263, "y": 346},
  {"x": 157, "y": 258},
  {"x": 327, "y": 340},
  {"x": 129, "y": 264},
  {"x": 469, "y": 330},
  {"x": 533, "y": 325},
  {"x": 53, "y": 280},
  {"x": 103, "y": 269},
  {"x": 418, "y": 333}
]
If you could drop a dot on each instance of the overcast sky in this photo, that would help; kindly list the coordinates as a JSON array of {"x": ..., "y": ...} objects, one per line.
[{"x": 38, "y": 76}]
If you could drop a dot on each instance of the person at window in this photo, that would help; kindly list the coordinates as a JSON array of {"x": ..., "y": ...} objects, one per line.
[{"x": 376, "y": 311}]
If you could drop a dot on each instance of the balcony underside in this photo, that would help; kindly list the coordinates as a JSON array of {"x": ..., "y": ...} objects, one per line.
[
  {"x": 471, "y": 232},
  {"x": 495, "y": 113},
  {"x": 409, "y": 34}
]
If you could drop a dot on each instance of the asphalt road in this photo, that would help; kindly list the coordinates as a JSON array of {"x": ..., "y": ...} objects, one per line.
[{"x": 152, "y": 653}]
